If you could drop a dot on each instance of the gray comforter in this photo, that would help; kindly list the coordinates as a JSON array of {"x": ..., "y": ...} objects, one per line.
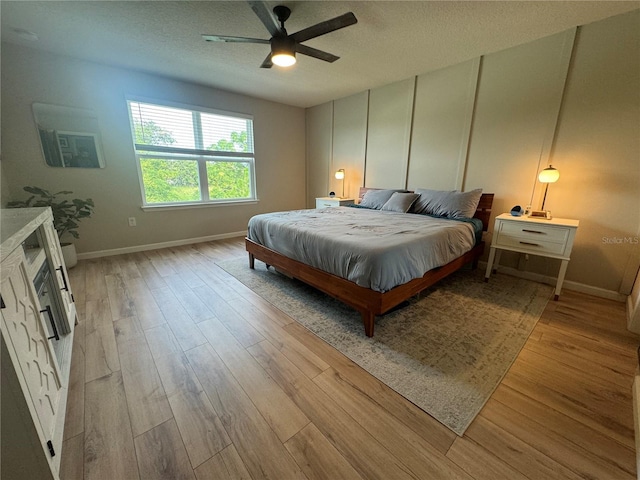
[{"x": 372, "y": 248}]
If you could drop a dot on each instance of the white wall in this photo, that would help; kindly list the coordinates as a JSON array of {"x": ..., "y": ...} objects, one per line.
[
  {"x": 29, "y": 76},
  {"x": 571, "y": 99}
]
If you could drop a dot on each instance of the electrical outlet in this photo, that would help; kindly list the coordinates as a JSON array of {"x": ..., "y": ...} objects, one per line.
[{"x": 132, "y": 221}]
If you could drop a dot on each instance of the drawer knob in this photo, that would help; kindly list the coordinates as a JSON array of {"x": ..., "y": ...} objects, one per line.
[{"x": 533, "y": 231}]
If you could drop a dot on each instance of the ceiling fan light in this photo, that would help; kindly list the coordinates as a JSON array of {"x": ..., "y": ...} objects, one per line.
[{"x": 283, "y": 59}]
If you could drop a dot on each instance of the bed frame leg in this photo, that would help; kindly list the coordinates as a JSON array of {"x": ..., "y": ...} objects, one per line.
[
  {"x": 252, "y": 261},
  {"x": 474, "y": 264},
  {"x": 368, "y": 320}
]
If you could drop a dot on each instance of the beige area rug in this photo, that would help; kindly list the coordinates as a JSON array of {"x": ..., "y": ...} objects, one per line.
[{"x": 446, "y": 350}]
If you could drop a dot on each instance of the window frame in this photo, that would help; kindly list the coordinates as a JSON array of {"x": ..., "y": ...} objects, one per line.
[{"x": 200, "y": 155}]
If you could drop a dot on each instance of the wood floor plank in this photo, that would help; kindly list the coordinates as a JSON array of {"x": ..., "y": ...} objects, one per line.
[
  {"x": 599, "y": 404},
  {"x": 161, "y": 454},
  {"x": 162, "y": 341},
  {"x": 598, "y": 318},
  {"x": 407, "y": 446},
  {"x": 597, "y": 443},
  {"x": 623, "y": 359},
  {"x": 151, "y": 276},
  {"x": 316, "y": 456},
  {"x": 95, "y": 285},
  {"x": 108, "y": 441},
  {"x": 572, "y": 407},
  {"x": 72, "y": 461},
  {"x": 196, "y": 309},
  {"x": 199, "y": 425},
  {"x": 146, "y": 308},
  {"x": 257, "y": 444},
  {"x": 310, "y": 363},
  {"x": 101, "y": 353},
  {"x": 206, "y": 272},
  {"x": 180, "y": 322},
  {"x": 239, "y": 328},
  {"x": 128, "y": 266},
  {"x": 146, "y": 399},
  {"x": 551, "y": 444},
  {"x": 344, "y": 432},
  {"x": 161, "y": 265},
  {"x": 480, "y": 463},
  {"x": 74, "y": 417},
  {"x": 567, "y": 353},
  {"x": 516, "y": 453},
  {"x": 226, "y": 465},
  {"x": 284, "y": 417},
  {"x": 110, "y": 265},
  {"x": 120, "y": 303},
  {"x": 424, "y": 425}
]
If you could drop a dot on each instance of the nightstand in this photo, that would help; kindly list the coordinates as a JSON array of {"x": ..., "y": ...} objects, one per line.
[
  {"x": 547, "y": 238},
  {"x": 322, "y": 202}
]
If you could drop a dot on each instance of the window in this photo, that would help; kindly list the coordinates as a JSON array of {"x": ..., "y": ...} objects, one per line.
[{"x": 189, "y": 156}]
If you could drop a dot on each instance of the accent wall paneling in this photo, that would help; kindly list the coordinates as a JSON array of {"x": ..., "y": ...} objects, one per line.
[
  {"x": 519, "y": 95},
  {"x": 389, "y": 134},
  {"x": 319, "y": 140},
  {"x": 349, "y": 142},
  {"x": 441, "y": 122}
]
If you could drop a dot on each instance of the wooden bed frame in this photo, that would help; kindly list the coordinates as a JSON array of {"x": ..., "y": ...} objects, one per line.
[{"x": 366, "y": 301}]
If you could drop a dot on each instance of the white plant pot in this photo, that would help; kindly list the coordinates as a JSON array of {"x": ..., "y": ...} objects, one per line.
[{"x": 69, "y": 254}]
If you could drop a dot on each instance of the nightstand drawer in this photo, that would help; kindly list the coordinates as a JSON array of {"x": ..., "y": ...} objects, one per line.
[
  {"x": 534, "y": 233},
  {"x": 535, "y": 245}
]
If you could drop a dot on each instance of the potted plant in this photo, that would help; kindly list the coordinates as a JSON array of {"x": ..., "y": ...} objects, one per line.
[{"x": 66, "y": 215}]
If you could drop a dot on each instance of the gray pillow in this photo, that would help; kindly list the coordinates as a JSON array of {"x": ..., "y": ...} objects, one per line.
[
  {"x": 400, "y": 202},
  {"x": 450, "y": 204},
  {"x": 376, "y": 198}
]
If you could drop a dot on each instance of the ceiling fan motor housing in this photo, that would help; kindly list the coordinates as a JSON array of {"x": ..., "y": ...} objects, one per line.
[{"x": 283, "y": 46}]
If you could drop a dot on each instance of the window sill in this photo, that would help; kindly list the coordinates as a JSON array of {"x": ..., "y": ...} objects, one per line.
[{"x": 181, "y": 206}]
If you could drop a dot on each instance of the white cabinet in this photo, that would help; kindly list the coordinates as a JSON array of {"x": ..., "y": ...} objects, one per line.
[
  {"x": 36, "y": 324},
  {"x": 548, "y": 238},
  {"x": 323, "y": 202}
]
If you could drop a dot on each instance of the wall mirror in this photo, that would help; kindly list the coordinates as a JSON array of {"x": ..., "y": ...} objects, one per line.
[{"x": 69, "y": 137}]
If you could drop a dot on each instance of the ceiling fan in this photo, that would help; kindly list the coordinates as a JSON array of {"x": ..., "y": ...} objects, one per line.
[{"x": 284, "y": 46}]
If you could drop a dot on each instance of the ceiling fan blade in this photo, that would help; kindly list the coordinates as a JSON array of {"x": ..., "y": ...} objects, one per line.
[
  {"x": 315, "y": 53},
  {"x": 267, "y": 62},
  {"x": 325, "y": 27},
  {"x": 266, "y": 17},
  {"x": 224, "y": 38}
]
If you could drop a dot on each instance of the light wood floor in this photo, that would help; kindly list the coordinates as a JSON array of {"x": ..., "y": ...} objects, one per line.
[{"x": 181, "y": 372}]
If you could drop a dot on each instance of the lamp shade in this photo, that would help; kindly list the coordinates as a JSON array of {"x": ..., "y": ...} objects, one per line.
[
  {"x": 340, "y": 174},
  {"x": 549, "y": 175}
]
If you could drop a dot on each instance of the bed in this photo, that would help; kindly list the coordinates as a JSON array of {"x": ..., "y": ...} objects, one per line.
[{"x": 369, "y": 258}]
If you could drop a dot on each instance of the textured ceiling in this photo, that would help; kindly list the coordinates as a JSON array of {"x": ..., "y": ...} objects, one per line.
[{"x": 392, "y": 40}]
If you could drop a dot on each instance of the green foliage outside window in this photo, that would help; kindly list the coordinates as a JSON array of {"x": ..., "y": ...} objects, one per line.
[{"x": 173, "y": 180}]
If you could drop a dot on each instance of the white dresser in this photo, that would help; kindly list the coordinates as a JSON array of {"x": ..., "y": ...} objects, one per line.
[
  {"x": 536, "y": 236},
  {"x": 37, "y": 322}
]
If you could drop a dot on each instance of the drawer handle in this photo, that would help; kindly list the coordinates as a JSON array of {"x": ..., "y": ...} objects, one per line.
[
  {"x": 531, "y": 244},
  {"x": 533, "y": 231},
  {"x": 55, "y": 335},
  {"x": 64, "y": 279}
]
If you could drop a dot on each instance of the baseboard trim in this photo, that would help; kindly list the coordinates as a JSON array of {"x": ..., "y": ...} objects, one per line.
[
  {"x": 568, "y": 284},
  {"x": 155, "y": 246}
]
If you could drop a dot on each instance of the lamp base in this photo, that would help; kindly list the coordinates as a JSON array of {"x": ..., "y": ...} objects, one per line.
[{"x": 542, "y": 214}]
